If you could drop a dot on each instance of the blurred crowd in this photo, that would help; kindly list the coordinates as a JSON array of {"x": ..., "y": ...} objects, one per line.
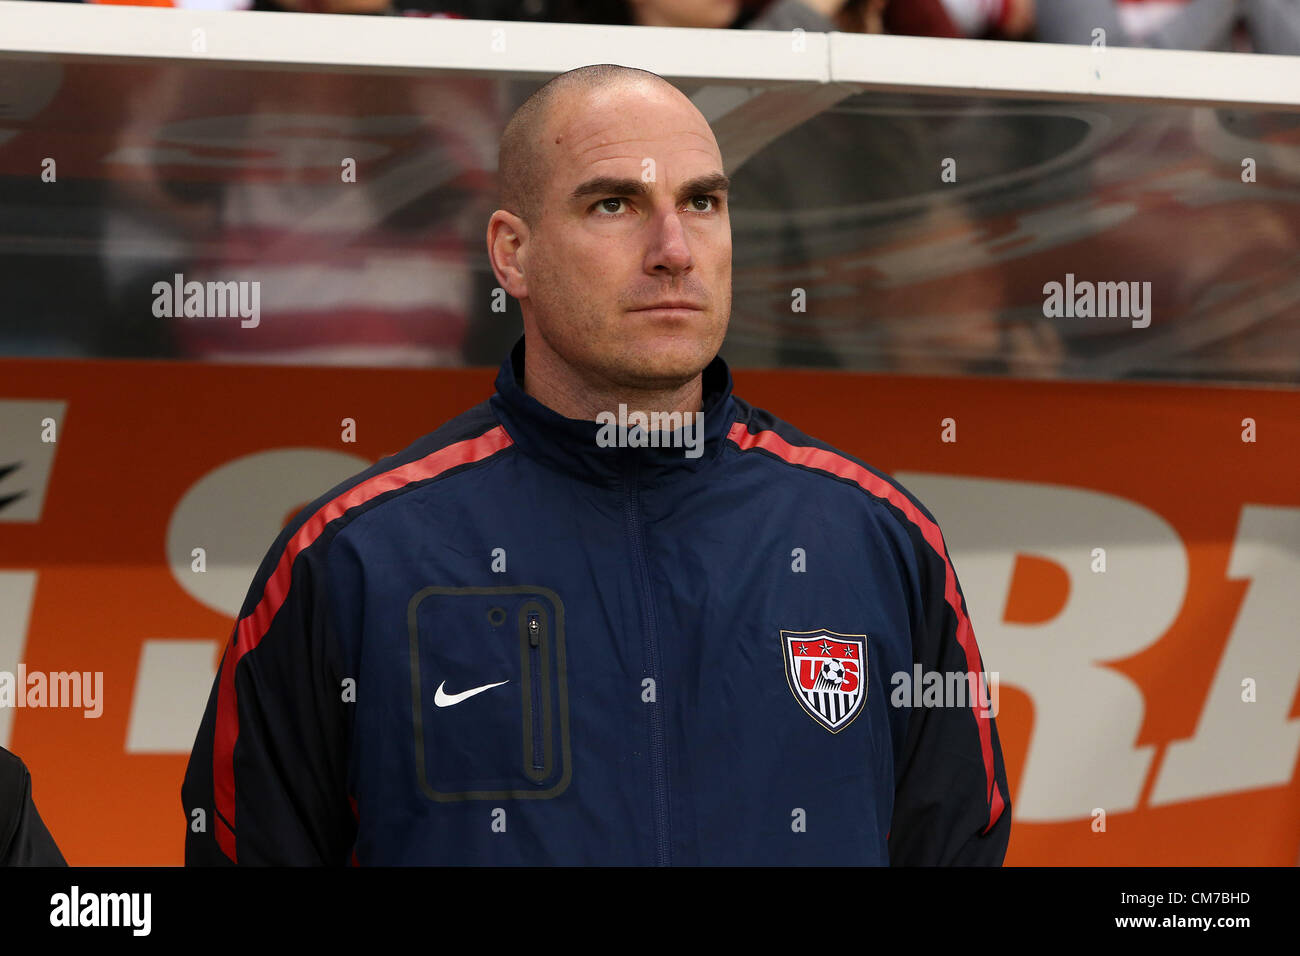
[{"x": 1267, "y": 26}]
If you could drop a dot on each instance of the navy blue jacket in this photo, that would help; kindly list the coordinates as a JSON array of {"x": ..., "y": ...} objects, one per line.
[
  {"x": 24, "y": 839},
  {"x": 509, "y": 644}
]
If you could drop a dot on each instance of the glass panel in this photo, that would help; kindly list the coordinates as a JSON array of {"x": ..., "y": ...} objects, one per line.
[{"x": 228, "y": 176}]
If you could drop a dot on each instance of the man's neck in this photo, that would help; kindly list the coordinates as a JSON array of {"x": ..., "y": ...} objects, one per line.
[{"x": 552, "y": 382}]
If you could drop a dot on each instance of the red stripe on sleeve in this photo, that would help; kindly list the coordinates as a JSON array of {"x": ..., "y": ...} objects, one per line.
[
  {"x": 876, "y": 486},
  {"x": 251, "y": 629}
]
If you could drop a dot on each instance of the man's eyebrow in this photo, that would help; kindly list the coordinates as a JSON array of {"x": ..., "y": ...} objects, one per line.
[
  {"x": 617, "y": 186},
  {"x": 708, "y": 183}
]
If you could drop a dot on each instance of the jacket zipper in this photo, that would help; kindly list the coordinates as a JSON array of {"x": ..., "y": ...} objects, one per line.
[
  {"x": 535, "y": 672},
  {"x": 658, "y": 758}
]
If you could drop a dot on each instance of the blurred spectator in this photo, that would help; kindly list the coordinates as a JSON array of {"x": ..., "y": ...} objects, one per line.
[
  {"x": 1004, "y": 19},
  {"x": 249, "y": 185},
  {"x": 1007, "y": 19},
  {"x": 1274, "y": 25},
  {"x": 964, "y": 330},
  {"x": 463, "y": 9},
  {"x": 1267, "y": 26},
  {"x": 324, "y": 6},
  {"x": 715, "y": 14},
  {"x": 940, "y": 18}
]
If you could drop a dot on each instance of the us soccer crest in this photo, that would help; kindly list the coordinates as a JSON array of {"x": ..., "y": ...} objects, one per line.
[{"x": 827, "y": 673}]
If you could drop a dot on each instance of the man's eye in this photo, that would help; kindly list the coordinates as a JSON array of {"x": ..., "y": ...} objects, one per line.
[{"x": 712, "y": 201}]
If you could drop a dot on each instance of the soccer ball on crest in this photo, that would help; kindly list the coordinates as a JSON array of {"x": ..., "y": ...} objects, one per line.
[{"x": 830, "y": 675}]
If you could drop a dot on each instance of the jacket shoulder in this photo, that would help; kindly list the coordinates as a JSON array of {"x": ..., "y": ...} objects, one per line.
[
  {"x": 24, "y": 838},
  {"x": 459, "y": 444},
  {"x": 13, "y": 787},
  {"x": 758, "y": 430}
]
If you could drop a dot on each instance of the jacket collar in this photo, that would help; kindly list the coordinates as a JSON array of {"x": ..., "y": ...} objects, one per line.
[{"x": 581, "y": 448}]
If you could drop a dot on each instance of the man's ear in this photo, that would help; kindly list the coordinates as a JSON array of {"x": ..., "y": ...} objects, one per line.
[{"x": 507, "y": 237}]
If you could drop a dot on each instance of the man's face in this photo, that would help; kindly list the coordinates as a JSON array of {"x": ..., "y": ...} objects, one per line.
[{"x": 633, "y": 214}]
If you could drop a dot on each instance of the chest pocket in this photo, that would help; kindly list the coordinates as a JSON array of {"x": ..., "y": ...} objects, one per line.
[{"x": 489, "y": 696}]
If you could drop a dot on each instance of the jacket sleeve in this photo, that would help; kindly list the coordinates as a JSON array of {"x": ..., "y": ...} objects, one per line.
[
  {"x": 951, "y": 802},
  {"x": 24, "y": 839},
  {"x": 267, "y": 778}
]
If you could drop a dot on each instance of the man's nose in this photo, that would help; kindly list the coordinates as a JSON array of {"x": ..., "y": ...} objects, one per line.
[{"x": 671, "y": 250}]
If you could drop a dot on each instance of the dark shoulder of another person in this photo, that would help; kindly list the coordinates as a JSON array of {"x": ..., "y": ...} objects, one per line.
[{"x": 13, "y": 797}]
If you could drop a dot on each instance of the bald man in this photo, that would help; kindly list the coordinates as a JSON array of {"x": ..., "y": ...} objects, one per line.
[{"x": 615, "y": 614}]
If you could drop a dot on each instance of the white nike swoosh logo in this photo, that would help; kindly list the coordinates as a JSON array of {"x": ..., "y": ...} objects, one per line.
[{"x": 446, "y": 700}]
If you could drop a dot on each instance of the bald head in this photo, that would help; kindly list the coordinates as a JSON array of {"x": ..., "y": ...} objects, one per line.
[
  {"x": 614, "y": 235},
  {"x": 523, "y": 165}
]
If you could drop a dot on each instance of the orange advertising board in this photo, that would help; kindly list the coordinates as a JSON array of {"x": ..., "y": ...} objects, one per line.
[{"x": 1129, "y": 555}]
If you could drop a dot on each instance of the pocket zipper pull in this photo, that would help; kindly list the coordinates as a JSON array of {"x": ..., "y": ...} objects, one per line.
[{"x": 534, "y": 630}]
